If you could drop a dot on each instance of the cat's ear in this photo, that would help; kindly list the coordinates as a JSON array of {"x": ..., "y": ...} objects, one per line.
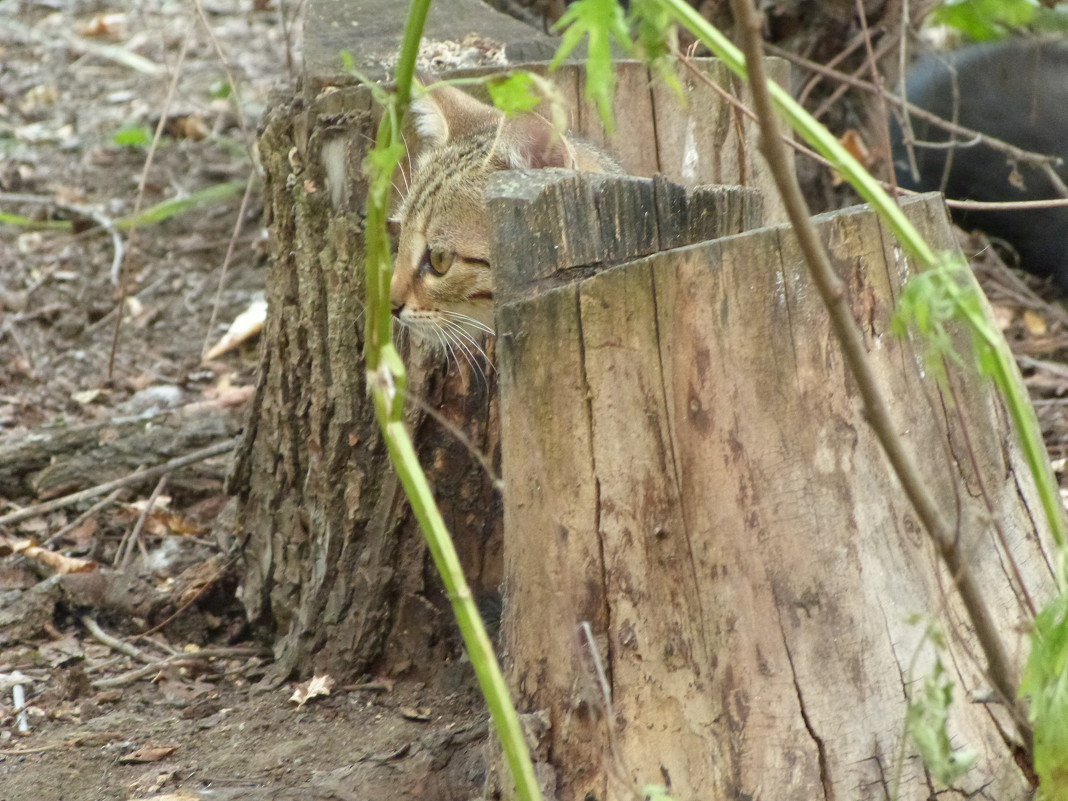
[
  {"x": 446, "y": 113},
  {"x": 531, "y": 143}
]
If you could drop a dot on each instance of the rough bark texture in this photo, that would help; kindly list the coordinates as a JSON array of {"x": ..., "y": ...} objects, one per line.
[
  {"x": 688, "y": 470},
  {"x": 334, "y": 562}
]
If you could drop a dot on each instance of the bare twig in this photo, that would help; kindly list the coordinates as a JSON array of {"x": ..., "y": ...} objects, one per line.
[
  {"x": 198, "y": 657},
  {"x": 105, "y": 222},
  {"x": 125, "y": 481},
  {"x": 1041, "y": 160},
  {"x": 1000, "y": 671},
  {"x": 114, "y": 643},
  {"x": 163, "y": 117},
  {"x": 226, "y": 261},
  {"x": 125, "y": 550},
  {"x": 92, "y": 510},
  {"x": 235, "y": 89},
  {"x": 462, "y": 438}
]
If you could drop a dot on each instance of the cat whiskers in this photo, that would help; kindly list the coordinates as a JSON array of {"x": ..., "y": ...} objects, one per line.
[
  {"x": 446, "y": 345},
  {"x": 467, "y": 344},
  {"x": 467, "y": 319}
]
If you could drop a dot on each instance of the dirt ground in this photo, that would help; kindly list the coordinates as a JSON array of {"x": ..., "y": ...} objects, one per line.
[
  {"x": 178, "y": 715},
  {"x": 111, "y": 712}
]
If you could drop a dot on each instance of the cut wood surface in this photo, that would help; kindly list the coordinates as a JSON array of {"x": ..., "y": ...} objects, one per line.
[
  {"x": 609, "y": 220},
  {"x": 688, "y": 470}
]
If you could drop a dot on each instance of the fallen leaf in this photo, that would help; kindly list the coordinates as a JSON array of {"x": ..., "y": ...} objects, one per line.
[
  {"x": 56, "y": 561},
  {"x": 104, "y": 26},
  {"x": 422, "y": 714},
  {"x": 82, "y": 535},
  {"x": 1035, "y": 325},
  {"x": 150, "y": 753},
  {"x": 852, "y": 141},
  {"x": 245, "y": 326},
  {"x": 188, "y": 126},
  {"x": 87, "y": 396},
  {"x": 312, "y": 688}
]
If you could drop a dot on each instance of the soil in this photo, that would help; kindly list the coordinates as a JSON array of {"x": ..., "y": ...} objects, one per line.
[
  {"x": 141, "y": 678},
  {"x": 194, "y": 721}
]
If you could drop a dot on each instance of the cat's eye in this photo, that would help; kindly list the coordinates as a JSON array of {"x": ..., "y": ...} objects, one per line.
[{"x": 437, "y": 261}]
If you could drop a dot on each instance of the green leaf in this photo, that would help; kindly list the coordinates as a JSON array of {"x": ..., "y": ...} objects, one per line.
[
  {"x": 656, "y": 39},
  {"x": 933, "y": 298},
  {"x": 514, "y": 93},
  {"x": 28, "y": 222},
  {"x": 984, "y": 20},
  {"x": 133, "y": 136},
  {"x": 220, "y": 90},
  {"x": 927, "y": 719},
  {"x": 600, "y": 22},
  {"x": 1045, "y": 683},
  {"x": 175, "y": 206},
  {"x": 656, "y": 792}
]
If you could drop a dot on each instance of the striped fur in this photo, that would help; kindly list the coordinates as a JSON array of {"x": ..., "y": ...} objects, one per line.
[{"x": 443, "y": 219}]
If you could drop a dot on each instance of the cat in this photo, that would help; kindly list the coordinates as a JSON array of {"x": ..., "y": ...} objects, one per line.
[
  {"x": 1015, "y": 90},
  {"x": 443, "y": 281}
]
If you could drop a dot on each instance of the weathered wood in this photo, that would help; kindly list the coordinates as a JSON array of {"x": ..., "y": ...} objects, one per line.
[
  {"x": 696, "y": 140},
  {"x": 706, "y": 140},
  {"x": 688, "y": 469},
  {"x": 53, "y": 461},
  {"x": 556, "y": 225}
]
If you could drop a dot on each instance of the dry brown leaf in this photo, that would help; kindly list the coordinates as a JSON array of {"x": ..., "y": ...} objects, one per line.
[
  {"x": 150, "y": 753},
  {"x": 852, "y": 141},
  {"x": 56, "y": 561},
  {"x": 422, "y": 714},
  {"x": 104, "y": 26},
  {"x": 245, "y": 326},
  {"x": 81, "y": 536},
  {"x": 1034, "y": 323},
  {"x": 188, "y": 126},
  {"x": 312, "y": 688}
]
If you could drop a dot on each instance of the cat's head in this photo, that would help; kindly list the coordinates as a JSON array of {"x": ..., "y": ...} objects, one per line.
[{"x": 443, "y": 279}]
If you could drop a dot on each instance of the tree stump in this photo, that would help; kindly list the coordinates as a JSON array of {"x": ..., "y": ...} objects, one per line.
[
  {"x": 689, "y": 472},
  {"x": 336, "y": 572}
]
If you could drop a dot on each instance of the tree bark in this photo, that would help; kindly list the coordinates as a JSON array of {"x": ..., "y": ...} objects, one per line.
[{"x": 689, "y": 473}]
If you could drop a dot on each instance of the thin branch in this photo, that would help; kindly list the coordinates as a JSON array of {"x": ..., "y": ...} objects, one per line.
[
  {"x": 1040, "y": 160},
  {"x": 114, "y": 643},
  {"x": 227, "y": 259},
  {"x": 92, "y": 510},
  {"x": 133, "y": 478},
  {"x": 163, "y": 117},
  {"x": 125, "y": 550}
]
